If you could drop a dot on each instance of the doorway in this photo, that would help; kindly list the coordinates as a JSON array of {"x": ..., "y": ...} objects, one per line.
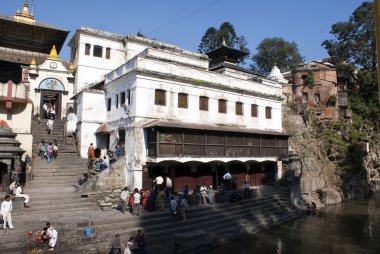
[{"x": 50, "y": 99}]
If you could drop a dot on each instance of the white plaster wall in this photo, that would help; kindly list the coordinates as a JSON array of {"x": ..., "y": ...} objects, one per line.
[
  {"x": 90, "y": 69},
  {"x": 86, "y": 134},
  {"x": 60, "y": 73},
  {"x": 19, "y": 120},
  {"x": 145, "y": 94},
  {"x": 20, "y": 117},
  {"x": 91, "y": 112},
  {"x": 26, "y": 141}
]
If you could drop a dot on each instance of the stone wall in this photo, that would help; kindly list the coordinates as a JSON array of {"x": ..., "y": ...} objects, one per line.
[{"x": 322, "y": 145}]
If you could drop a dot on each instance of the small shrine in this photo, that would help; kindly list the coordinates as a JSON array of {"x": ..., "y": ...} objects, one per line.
[{"x": 10, "y": 156}]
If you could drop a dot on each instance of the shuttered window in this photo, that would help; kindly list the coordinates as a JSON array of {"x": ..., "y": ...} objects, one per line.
[
  {"x": 222, "y": 106},
  {"x": 239, "y": 108},
  {"x": 182, "y": 100},
  {"x": 203, "y": 103},
  {"x": 254, "y": 110},
  {"x": 268, "y": 112},
  {"x": 160, "y": 97}
]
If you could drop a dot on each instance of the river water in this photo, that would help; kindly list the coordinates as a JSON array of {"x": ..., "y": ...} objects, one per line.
[{"x": 349, "y": 228}]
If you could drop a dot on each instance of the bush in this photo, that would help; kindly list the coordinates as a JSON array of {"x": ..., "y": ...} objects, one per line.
[{"x": 331, "y": 101}]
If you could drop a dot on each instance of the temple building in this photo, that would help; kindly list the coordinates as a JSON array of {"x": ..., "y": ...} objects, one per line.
[
  {"x": 320, "y": 86},
  {"x": 31, "y": 74},
  {"x": 176, "y": 113}
]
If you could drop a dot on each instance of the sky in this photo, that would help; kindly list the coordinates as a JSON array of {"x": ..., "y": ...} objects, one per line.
[{"x": 183, "y": 23}]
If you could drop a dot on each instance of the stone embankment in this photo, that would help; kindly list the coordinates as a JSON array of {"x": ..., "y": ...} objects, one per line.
[{"x": 329, "y": 175}]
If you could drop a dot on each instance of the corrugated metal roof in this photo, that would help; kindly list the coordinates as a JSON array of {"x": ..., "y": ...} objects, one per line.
[{"x": 104, "y": 129}]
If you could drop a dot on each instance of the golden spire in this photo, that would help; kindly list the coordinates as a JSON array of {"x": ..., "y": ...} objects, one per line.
[
  {"x": 53, "y": 53},
  {"x": 33, "y": 62},
  {"x": 71, "y": 67}
]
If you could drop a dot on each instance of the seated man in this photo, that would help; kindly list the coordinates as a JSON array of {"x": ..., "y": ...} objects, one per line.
[
  {"x": 104, "y": 164},
  {"x": 19, "y": 193},
  {"x": 82, "y": 179},
  {"x": 52, "y": 234},
  {"x": 118, "y": 151}
]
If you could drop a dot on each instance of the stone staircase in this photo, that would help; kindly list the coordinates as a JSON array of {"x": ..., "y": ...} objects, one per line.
[
  {"x": 206, "y": 226},
  {"x": 54, "y": 199}
]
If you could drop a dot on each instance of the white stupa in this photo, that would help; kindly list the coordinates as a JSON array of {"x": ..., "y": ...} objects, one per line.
[{"x": 276, "y": 75}]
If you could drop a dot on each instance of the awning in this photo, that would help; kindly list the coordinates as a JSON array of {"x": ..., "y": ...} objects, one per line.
[
  {"x": 105, "y": 128},
  {"x": 192, "y": 126}
]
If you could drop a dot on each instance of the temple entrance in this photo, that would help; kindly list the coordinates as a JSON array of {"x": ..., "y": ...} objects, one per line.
[{"x": 50, "y": 100}]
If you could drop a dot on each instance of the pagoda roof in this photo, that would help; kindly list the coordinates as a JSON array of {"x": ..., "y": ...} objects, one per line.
[
  {"x": 30, "y": 35},
  {"x": 226, "y": 53}
]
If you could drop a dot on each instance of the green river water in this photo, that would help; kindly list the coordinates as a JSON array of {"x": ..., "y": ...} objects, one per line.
[{"x": 349, "y": 228}]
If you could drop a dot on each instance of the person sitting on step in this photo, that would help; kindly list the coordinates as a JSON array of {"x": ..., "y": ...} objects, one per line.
[
  {"x": 52, "y": 234},
  {"x": 103, "y": 165},
  {"x": 20, "y": 194}
]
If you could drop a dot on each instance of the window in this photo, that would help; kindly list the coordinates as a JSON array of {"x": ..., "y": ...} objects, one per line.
[
  {"x": 122, "y": 98},
  {"x": 317, "y": 98},
  {"x": 98, "y": 51},
  {"x": 254, "y": 110},
  {"x": 109, "y": 104},
  {"x": 159, "y": 98},
  {"x": 108, "y": 53},
  {"x": 222, "y": 106},
  {"x": 117, "y": 101},
  {"x": 203, "y": 103},
  {"x": 239, "y": 108},
  {"x": 305, "y": 97},
  {"x": 268, "y": 112},
  {"x": 182, "y": 100},
  {"x": 87, "y": 49},
  {"x": 129, "y": 97}
]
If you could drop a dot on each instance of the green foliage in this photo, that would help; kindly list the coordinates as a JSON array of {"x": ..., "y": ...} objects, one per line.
[
  {"x": 276, "y": 51},
  {"x": 354, "y": 158},
  {"x": 354, "y": 40},
  {"x": 213, "y": 39},
  {"x": 331, "y": 101},
  {"x": 354, "y": 48},
  {"x": 309, "y": 80}
]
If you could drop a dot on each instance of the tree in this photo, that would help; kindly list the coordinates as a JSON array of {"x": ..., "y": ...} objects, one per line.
[
  {"x": 354, "y": 50},
  {"x": 276, "y": 51},
  {"x": 213, "y": 39}
]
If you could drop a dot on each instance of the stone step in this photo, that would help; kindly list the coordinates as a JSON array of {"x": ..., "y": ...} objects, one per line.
[{"x": 57, "y": 174}]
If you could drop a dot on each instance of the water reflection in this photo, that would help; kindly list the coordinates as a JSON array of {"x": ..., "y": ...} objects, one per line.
[{"x": 349, "y": 228}]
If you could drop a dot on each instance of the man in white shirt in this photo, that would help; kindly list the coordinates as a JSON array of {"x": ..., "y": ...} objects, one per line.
[
  {"x": 203, "y": 191},
  {"x": 227, "y": 180},
  {"x": 124, "y": 196},
  {"x": 5, "y": 211},
  {"x": 168, "y": 189},
  {"x": 19, "y": 193},
  {"x": 136, "y": 202},
  {"x": 50, "y": 124},
  {"x": 159, "y": 181},
  {"x": 53, "y": 236}
]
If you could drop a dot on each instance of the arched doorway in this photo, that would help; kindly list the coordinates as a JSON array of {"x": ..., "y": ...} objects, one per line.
[{"x": 51, "y": 97}]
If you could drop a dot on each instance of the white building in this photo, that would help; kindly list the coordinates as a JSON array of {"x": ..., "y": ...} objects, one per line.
[{"x": 176, "y": 112}]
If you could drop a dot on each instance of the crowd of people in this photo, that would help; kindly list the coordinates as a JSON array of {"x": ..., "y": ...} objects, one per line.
[
  {"x": 135, "y": 244},
  {"x": 99, "y": 163},
  {"x": 48, "y": 151},
  {"x": 48, "y": 111}
]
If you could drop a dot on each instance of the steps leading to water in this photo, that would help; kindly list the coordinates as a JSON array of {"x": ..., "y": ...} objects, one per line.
[{"x": 54, "y": 199}]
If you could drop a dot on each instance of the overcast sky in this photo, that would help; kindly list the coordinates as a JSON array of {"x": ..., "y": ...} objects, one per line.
[{"x": 183, "y": 23}]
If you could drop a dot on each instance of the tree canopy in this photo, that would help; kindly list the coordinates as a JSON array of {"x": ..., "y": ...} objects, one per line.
[
  {"x": 275, "y": 51},
  {"x": 213, "y": 38},
  {"x": 354, "y": 48}
]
